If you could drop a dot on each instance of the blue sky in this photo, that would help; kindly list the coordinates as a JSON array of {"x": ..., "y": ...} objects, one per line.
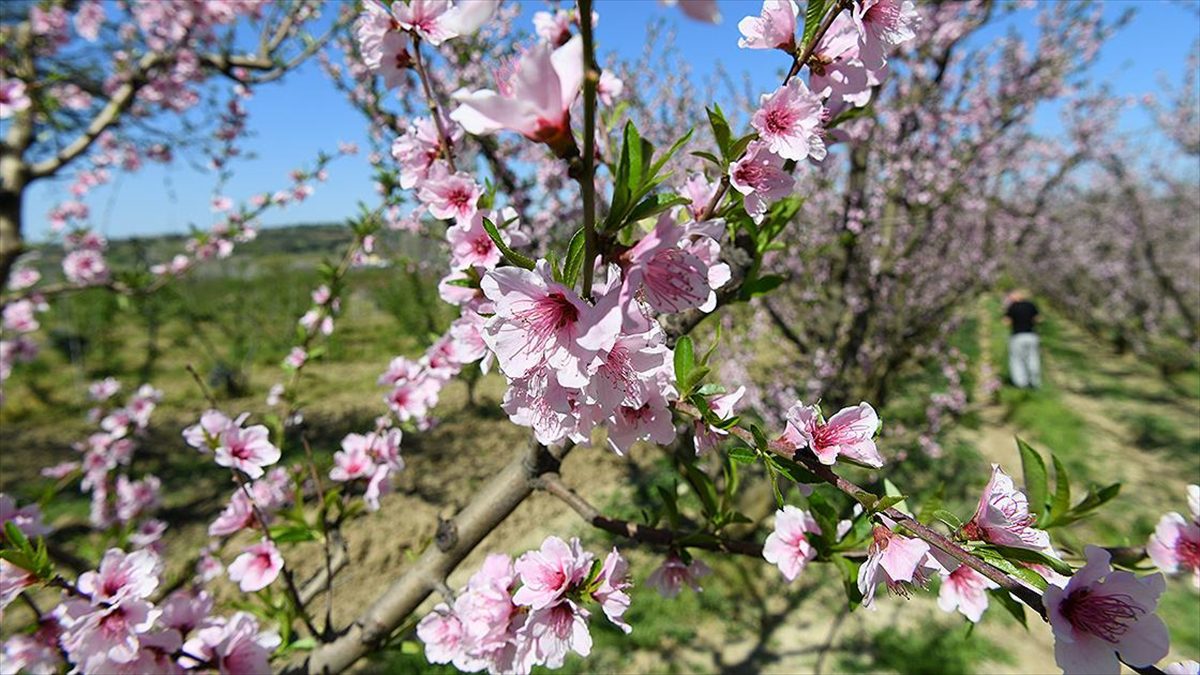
[{"x": 291, "y": 121}]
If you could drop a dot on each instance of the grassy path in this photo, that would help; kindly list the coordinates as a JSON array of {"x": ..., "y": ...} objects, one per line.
[{"x": 1109, "y": 418}]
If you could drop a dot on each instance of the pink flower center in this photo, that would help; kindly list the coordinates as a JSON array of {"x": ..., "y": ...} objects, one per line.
[
  {"x": 1188, "y": 552},
  {"x": 825, "y": 436},
  {"x": 483, "y": 245},
  {"x": 780, "y": 120},
  {"x": 669, "y": 276},
  {"x": 548, "y": 317},
  {"x": 459, "y": 198},
  {"x": 750, "y": 173},
  {"x": 1107, "y": 617}
]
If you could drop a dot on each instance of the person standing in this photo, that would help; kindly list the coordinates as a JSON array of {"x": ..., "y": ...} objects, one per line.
[{"x": 1024, "y": 362}]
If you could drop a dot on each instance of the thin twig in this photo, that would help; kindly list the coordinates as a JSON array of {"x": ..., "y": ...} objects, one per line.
[
  {"x": 551, "y": 483},
  {"x": 434, "y": 109}
]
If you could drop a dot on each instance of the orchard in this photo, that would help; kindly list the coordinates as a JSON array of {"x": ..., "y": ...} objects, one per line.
[{"x": 608, "y": 365}]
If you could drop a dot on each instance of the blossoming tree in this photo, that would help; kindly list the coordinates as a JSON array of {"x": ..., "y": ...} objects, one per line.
[{"x": 594, "y": 316}]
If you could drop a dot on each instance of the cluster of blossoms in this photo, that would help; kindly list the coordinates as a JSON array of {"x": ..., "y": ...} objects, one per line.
[
  {"x": 110, "y": 623},
  {"x": 17, "y": 320},
  {"x": 512, "y": 616},
  {"x": 369, "y": 458},
  {"x": 121, "y": 501}
]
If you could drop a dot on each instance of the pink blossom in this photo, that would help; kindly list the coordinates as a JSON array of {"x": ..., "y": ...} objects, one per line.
[
  {"x": 760, "y": 178},
  {"x": 789, "y": 121},
  {"x": 85, "y": 267},
  {"x": 549, "y": 573},
  {"x": 136, "y": 498},
  {"x": 468, "y": 16},
  {"x": 13, "y": 98},
  {"x": 206, "y": 434},
  {"x": 882, "y": 25},
  {"x": 88, "y": 19},
  {"x": 423, "y": 17},
  {"x": 37, "y": 653},
  {"x": 540, "y": 322},
  {"x": 471, "y": 246},
  {"x": 352, "y": 462},
  {"x": 237, "y": 515},
  {"x": 13, "y": 580},
  {"x": 102, "y": 390},
  {"x": 787, "y": 547},
  {"x": 450, "y": 196},
  {"x": 837, "y": 74},
  {"x": 706, "y": 437},
  {"x": 1003, "y": 516},
  {"x": 965, "y": 589},
  {"x": 551, "y": 633},
  {"x": 420, "y": 148},
  {"x": 535, "y": 102},
  {"x": 554, "y": 28},
  {"x": 22, "y": 278},
  {"x": 670, "y": 577},
  {"x": 467, "y": 335},
  {"x": 295, "y": 358},
  {"x": 248, "y": 450},
  {"x": 120, "y": 576},
  {"x": 1175, "y": 544},
  {"x": 628, "y": 374},
  {"x": 650, "y": 421},
  {"x": 775, "y": 28},
  {"x": 609, "y": 88},
  {"x": 700, "y": 10},
  {"x": 1102, "y": 613},
  {"x": 234, "y": 646},
  {"x": 700, "y": 191},
  {"x": 442, "y": 634},
  {"x": 19, "y": 317},
  {"x": 394, "y": 59},
  {"x": 28, "y": 518},
  {"x": 256, "y": 567},
  {"x": 221, "y": 203},
  {"x": 850, "y": 433},
  {"x": 613, "y": 582},
  {"x": 665, "y": 276},
  {"x": 893, "y": 559}
]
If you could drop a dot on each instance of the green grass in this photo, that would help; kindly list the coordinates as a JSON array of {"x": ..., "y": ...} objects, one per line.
[{"x": 928, "y": 650}]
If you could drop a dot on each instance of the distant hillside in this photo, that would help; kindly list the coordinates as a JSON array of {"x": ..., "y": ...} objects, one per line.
[{"x": 304, "y": 242}]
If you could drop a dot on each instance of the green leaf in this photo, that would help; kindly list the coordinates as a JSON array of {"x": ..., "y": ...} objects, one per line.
[
  {"x": 1035, "y": 557},
  {"x": 654, "y": 205},
  {"x": 1062, "y": 491},
  {"x": 950, "y": 519},
  {"x": 721, "y": 131},
  {"x": 286, "y": 534},
  {"x": 705, "y": 490},
  {"x": 573, "y": 264},
  {"x": 849, "y": 573},
  {"x": 15, "y": 537},
  {"x": 739, "y": 146},
  {"x": 885, "y": 503},
  {"x": 1034, "y": 470},
  {"x": 685, "y": 360},
  {"x": 512, "y": 256},
  {"x": 708, "y": 156},
  {"x": 761, "y": 285},
  {"x": 1092, "y": 501},
  {"x": 812, "y": 19},
  {"x": 711, "y": 389},
  {"x": 891, "y": 490},
  {"x": 658, "y": 164},
  {"x": 1009, "y": 603},
  {"x": 743, "y": 455},
  {"x": 668, "y": 501}
]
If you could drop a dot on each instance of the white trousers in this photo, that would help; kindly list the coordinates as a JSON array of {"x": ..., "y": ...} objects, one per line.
[{"x": 1024, "y": 364}]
